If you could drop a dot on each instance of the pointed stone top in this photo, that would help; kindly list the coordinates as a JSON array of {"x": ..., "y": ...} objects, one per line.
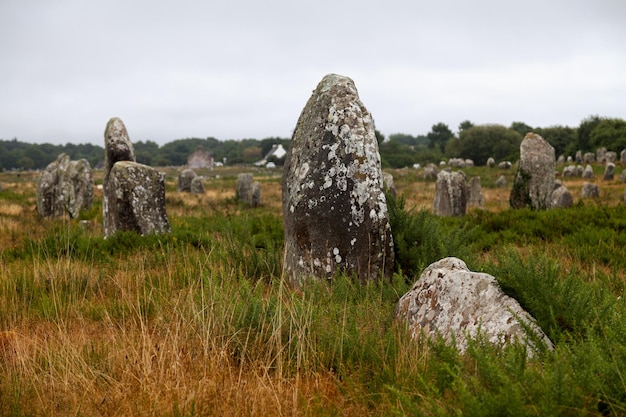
[
  {"x": 117, "y": 144},
  {"x": 336, "y": 81}
]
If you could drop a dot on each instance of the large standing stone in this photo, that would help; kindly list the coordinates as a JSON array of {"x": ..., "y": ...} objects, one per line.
[
  {"x": 136, "y": 200},
  {"x": 334, "y": 207},
  {"x": 609, "y": 171},
  {"x": 450, "y": 194},
  {"x": 451, "y": 301},
  {"x": 534, "y": 180},
  {"x": 185, "y": 178},
  {"x": 65, "y": 187},
  {"x": 134, "y": 194}
]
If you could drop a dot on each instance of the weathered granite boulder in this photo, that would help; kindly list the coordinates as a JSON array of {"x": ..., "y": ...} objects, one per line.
[
  {"x": 65, "y": 187},
  {"x": 450, "y": 194},
  {"x": 136, "y": 200},
  {"x": 334, "y": 207},
  {"x": 197, "y": 185},
  {"x": 475, "y": 193},
  {"x": 534, "y": 180},
  {"x": 622, "y": 157},
  {"x": 601, "y": 155},
  {"x": 248, "y": 191},
  {"x": 588, "y": 172},
  {"x": 505, "y": 165},
  {"x": 185, "y": 178},
  {"x": 610, "y": 156},
  {"x": 491, "y": 162},
  {"x": 580, "y": 170},
  {"x": 590, "y": 190},
  {"x": 579, "y": 157},
  {"x": 569, "y": 171},
  {"x": 561, "y": 197},
  {"x": 388, "y": 183},
  {"x": 589, "y": 158},
  {"x": 501, "y": 182},
  {"x": 450, "y": 301},
  {"x": 561, "y": 159},
  {"x": 469, "y": 163},
  {"x": 134, "y": 194},
  {"x": 609, "y": 171}
]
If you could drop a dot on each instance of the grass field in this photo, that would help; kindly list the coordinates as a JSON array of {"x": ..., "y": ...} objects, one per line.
[{"x": 199, "y": 322}]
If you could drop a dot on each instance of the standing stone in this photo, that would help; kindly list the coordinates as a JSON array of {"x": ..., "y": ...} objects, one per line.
[
  {"x": 197, "y": 185},
  {"x": 475, "y": 194},
  {"x": 580, "y": 170},
  {"x": 622, "y": 176},
  {"x": 622, "y": 157},
  {"x": 609, "y": 171},
  {"x": 134, "y": 194},
  {"x": 248, "y": 192},
  {"x": 569, "y": 171},
  {"x": 450, "y": 194},
  {"x": 430, "y": 172},
  {"x": 590, "y": 190},
  {"x": 491, "y": 162},
  {"x": 185, "y": 178},
  {"x": 469, "y": 163},
  {"x": 388, "y": 184},
  {"x": 505, "y": 165},
  {"x": 334, "y": 207},
  {"x": 561, "y": 159},
  {"x": 579, "y": 157},
  {"x": 589, "y": 158},
  {"x": 451, "y": 301},
  {"x": 501, "y": 182},
  {"x": 561, "y": 198},
  {"x": 534, "y": 180},
  {"x": 136, "y": 200},
  {"x": 588, "y": 172},
  {"x": 601, "y": 155},
  {"x": 65, "y": 187},
  {"x": 610, "y": 156}
]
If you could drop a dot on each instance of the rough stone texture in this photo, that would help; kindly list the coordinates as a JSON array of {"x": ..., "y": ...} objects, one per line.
[
  {"x": 197, "y": 185},
  {"x": 579, "y": 157},
  {"x": 580, "y": 170},
  {"x": 622, "y": 157},
  {"x": 200, "y": 159},
  {"x": 474, "y": 193},
  {"x": 534, "y": 180},
  {"x": 609, "y": 171},
  {"x": 185, "y": 178},
  {"x": 450, "y": 194},
  {"x": 450, "y": 301},
  {"x": 590, "y": 190},
  {"x": 491, "y": 162},
  {"x": 610, "y": 156},
  {"x": 117, "y": 145},
  {"x": 388, "y": 183},
  {"x": 65, "y": 187},
  {"x": 501, "y": 182},
  {"x": 588, "y": 172},
  {"x": 601, "y": 155},
  {"x": 334, "y": 207},
  {"x": 562, "y": 197},
  {"x": 569, "y": 171},
  {"x": 430, "y": 172},
  {"x": 248, "y": 192},
  {"x": 136, "y": 200},
  {"x": 505, "y": 165},
  {"x": 589, "y": 158}
]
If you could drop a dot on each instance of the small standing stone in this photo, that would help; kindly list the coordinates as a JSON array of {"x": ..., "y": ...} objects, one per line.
[
  {"x": 248, "y": 192},
  {"x": 622, "y": 157},
  {"x": 601, "y": 155},
  {"x": 562, "y": 198},
  {"x": 534, "y": 180},
  {"x": 505, "y": 165},
  {"x": 430, "y": 172},
  {"x": 388, "y": 184},
  {"x": 197, "y": 185},
  {"x": 185, "y": 178},
  {"x": 588, "y": 172},
  {"x": 450, "y": 194},
  {"x": 491, "y": 162},
  {"x": 590, "y": 190},
  {"x": 610, "y": 156},
  {"x": 623, "y": 176},
  {"x": 589, "y": 158},
  {"x": 579, "y": 157},
  {"x": 609, "y": 171},
  {"x": 475, "y": 193},
  {"x": 501, "y": 182},
  {"x": 569, "y": 171}
]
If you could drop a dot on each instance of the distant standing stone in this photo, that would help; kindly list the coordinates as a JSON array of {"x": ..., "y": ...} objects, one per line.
[
  {"x": 334, "y": 207},
  {"x": 505, "y": 165},
  {"x": 450, "y": 194},
  {"x": 534, "y": 180},
  {"x": 588, "y": 172},
  {"x": 491, "y": 162},
  {"x": 610, "y": 156},
  {"x": 623, "y": 176},
  {"x": 185, "y": 178},
  {"x": 562, "y": 198},
  {"x": 622, "y": 157},
  {"x": 601, "y": 155},
  {"x": 589, "y": 158},
  {"x": 451, "y": 301},
  {"x": 430, "y": 172},
  {"x": 579, "y": 157},
  {"x": 388, "y": 184},
  {"x": 197, "y": 185},
  {"x": 248, "y": 192},
  {"x": 590, "y": 190},
  {"x": 475, "y": 193},
  {"x": 609, "y": 171},
  {"x": 569, "y": 171},
  {"x": 501, "y": 182}
]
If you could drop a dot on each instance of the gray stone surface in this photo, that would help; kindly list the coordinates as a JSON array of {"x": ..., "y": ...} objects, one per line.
[
  {"x": 590, "y": 190},
  {"x": 579, "y": 157},
  {"x": 491, "y": 162},
  {"x": 64, "y": 187},
  {"x": 501, "y": 182},
  {"x": 601, "y": 155},
  {"x": 562, "y": 197},
  {"x": 197, "y": 185},
  {"x": 588, "y": 172},
  {"x": 622, "y": 157},
  {"x": 136, "y": 200},
  {"x": 430, "y": 172},
  {"x": 534, "y": 180},
  {"x": 334, "y": 207},
  {"x": 248, "y": 191},
  {"x": 185, "y": 178},
  {"x": 450, "y": 301},
  {"x": 622, "y": 176},
  {"x": 610, "y": 156},
  {"x": 450, "y": 194},
  {"x": 388, "y": 183},
  {"x": 569, "y": 171},
  {"x": 475, "y": 196},
  {"x": 609, "y": 171},
  {"x": 589, "y": 158},
  {"x": 505, "y": 165}
]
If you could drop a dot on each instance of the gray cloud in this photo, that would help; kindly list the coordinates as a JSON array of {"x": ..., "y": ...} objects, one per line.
[{"x": 235, "y": 69}]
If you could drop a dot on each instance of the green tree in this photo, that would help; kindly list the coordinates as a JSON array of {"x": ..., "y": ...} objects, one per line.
[
  {"x": 609, "y": 133},
  {"x": 439, "y": 136},
  {"x": 464, "y": 125},
  {"x": 583, "y": 139},
  {"x": 480, "y": 142},
  {"x": 521, "y": 128},
  {"x": 562, "y": 138}
]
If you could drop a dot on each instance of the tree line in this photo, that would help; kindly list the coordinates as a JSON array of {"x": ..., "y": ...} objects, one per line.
[{"x": 476, "y": 142}]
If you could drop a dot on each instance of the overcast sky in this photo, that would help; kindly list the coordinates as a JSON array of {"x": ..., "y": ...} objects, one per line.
[{"x": 235, "y": 69}]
